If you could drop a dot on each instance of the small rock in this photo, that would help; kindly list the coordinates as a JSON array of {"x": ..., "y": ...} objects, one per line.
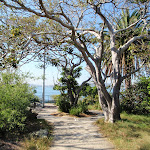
[{"x": 43, "y": 133}]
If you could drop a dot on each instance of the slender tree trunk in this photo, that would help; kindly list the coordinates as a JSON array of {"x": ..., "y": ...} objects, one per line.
[
  {"x": 71, "y": 97},
  {"x": 115, "y": 108},
  {"x": 127, "y": 68}
]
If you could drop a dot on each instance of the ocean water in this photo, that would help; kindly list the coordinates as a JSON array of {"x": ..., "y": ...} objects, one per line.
[{"x": 48, "y": 92}]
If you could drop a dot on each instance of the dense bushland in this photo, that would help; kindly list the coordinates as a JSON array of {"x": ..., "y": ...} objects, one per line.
[
  {"x": 15, "y": 99},
  {"x": 136, "y": 100}
]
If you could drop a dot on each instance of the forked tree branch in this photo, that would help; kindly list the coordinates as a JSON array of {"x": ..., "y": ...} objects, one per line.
[
  {"x": 121, "y": 49},
  {"x": 130, "y": 26}
]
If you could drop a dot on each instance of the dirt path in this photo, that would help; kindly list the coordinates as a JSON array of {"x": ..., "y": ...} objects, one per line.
[{"x": 71, "y": 133}]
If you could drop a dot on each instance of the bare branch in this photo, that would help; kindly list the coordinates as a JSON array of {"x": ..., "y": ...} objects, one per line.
[
  {"x": 28, "y": 42},
  {"x": 22, "y": 7},
  {"x": 42, "y": 7},
  {"x": 80, "y": 18},
  {"x": 63, "y": 14},
  {"x": 130, "y": 26},
  {"x": 121, "y": 49},
  {"x": 145, "y": 26},
  {"x": 91, "y": 31},
  {"x": 82, "y": 85},
  {"x": 47, "y": 14},
  {"x": 105, "y": 20},
  {"x": 101, "y": 48}
]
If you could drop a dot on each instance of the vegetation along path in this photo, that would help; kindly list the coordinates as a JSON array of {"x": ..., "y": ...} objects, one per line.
[{"x": 72, "y": 133}]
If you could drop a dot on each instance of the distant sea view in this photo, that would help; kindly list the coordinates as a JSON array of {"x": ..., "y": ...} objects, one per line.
[{"x": 48, "y": 92}]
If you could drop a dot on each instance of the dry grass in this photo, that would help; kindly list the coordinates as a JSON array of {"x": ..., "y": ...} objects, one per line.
[
  {"x": 37, "y": 143},
  {"x": 131, "y": 133},
  {"x": 34, "y": 143}
]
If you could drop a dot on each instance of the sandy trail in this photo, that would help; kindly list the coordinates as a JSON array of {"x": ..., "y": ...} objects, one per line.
[{"x": 71, "y": 133}]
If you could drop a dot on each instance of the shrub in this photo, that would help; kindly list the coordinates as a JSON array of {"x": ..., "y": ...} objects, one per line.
[
  {"x": 80, "y": 108},
  {"x": 82, "y": 105},
  {"x": 75, "y": 111},
  {"x": 55, "y": 98},
  {"x": 15, "y": 97},
  {"x": 136, "y": 100},
  {"x": 93, "y": 103},
  {"x": 63, "y": 103}
]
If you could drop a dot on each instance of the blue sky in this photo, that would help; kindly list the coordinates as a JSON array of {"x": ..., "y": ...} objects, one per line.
[{"x": 52, "y": 74}]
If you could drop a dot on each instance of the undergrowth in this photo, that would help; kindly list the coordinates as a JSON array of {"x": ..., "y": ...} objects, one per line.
[{"x": 25, "y": 140}]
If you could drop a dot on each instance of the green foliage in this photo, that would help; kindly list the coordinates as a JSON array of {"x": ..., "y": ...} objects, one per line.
[
  {"x": 68, "y": 79},
  {"x": 91, "y": 97},
  {"x": 93, "y": 103},
  {"x": 68, "y": 84},
  {"x": 80, "y": 108},
  {"x": 15, "y": 98},
  {"x": 63, "y": 103},
  {"x": 89, "y": 91},
  {"x": 136, "y": 100},
  {"x": 83, "y": 106},
  {"x": 75, "y": 111}
]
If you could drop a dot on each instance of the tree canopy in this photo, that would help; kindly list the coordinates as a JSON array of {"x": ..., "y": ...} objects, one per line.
[{"x": 90, "y": 28}]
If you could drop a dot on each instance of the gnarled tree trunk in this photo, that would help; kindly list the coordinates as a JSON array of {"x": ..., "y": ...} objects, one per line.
[{"x": 110, "y": 105}]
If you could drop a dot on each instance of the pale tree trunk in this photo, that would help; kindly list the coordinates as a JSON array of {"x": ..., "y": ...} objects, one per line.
[
  {"x": 111, "y": 108},
  {"x": 115, "y": 108},
  {"x": 110, "y": 105}
]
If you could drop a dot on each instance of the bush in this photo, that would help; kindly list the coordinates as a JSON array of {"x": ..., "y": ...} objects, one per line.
[
  {"x": 75, "y": 111},
  {"x": 82, "y": 105},
  {"x": 63, "y": 103},
  {"x": 80, "y": 108},
  {"x": 93, "y": 103},
  {"x": 15, "y": 97},
  {"x": 56, "y": 99},
  {"x": 136, "y": 100}
]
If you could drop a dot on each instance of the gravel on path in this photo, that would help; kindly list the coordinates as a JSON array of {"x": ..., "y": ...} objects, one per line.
[{"x": 72, "y": 133}]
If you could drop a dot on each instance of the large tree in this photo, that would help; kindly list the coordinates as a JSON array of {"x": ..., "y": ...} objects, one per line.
[
  {"x": 136, "y": 52},
  {"x": 82, "y": 24}
]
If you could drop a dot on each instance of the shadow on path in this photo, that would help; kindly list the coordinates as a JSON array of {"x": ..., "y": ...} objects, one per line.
[{"x": 72, "y": 133}]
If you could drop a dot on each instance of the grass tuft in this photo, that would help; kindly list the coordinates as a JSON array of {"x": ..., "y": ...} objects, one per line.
[{"x": 36, "y": 143}]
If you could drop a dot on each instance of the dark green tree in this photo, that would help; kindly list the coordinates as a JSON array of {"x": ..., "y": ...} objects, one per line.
[
  {"x": 136, "y": 99},
  {"x": 68, "y": 84}
]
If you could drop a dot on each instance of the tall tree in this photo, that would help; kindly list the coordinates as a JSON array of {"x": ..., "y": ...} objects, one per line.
[
  {"x": 69, "y": 64},
  {"x": 130, "y": 60},
  {"x": 133, "y": 56},
  {"x": 79, "y": 24}
]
